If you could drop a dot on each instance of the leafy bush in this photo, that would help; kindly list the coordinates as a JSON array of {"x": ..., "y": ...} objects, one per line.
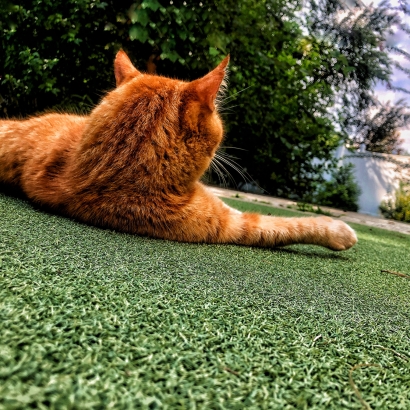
[
  {"x": 399, "y": 207},
  {"x": 57, "y": 54},
  {"x": 341, "y": 191},
  {"x": 304, "y": 207}
]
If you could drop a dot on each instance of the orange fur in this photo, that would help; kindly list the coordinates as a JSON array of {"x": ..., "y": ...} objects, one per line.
[{"x": 134, "y": 165}]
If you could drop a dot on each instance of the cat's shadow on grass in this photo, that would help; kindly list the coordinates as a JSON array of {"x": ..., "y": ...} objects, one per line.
[
  {"x": 12, "y": 191},
  {"x": 320, "y": 252},
  {"x": 16, "y": 192}
]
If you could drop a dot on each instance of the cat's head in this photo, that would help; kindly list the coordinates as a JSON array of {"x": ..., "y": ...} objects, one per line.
[{"x": 171, "y": 127}]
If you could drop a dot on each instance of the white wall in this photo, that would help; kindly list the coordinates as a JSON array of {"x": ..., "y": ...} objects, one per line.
[{"x": 377, "y": 175}]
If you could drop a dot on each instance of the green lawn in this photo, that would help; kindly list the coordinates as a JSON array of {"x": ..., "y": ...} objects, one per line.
[{"x": 94, "y": 319}]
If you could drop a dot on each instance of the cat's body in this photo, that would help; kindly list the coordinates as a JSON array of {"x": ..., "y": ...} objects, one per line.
[{"x": 134, "y": 165}]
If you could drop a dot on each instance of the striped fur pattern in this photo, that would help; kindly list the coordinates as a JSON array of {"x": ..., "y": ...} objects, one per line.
[{"x": 134, "y": 165}]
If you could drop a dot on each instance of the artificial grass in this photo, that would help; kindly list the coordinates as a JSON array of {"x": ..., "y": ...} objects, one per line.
[{"x": 94, "y": 319}]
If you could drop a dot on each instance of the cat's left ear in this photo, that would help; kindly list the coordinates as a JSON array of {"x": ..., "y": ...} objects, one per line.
[
  {"x": 207, "y": 88},
  {"x": 123, "y": 68}
]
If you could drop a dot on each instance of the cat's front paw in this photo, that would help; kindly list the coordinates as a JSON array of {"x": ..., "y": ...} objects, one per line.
[{"x": 339, "y": 235}]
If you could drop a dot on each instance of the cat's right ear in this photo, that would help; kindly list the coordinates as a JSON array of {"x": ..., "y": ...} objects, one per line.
[
  {"x": 207, "y": 88},
  {"x": 123, "y": 69}
]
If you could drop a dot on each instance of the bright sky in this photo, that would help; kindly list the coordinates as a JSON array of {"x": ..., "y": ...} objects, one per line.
[{"x": 399, "y": 79}]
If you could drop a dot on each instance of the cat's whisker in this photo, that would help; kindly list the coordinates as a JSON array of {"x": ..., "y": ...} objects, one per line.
[
  {"x": 225, "y": 147},
  {"x": 236, "y": 167},
  {"x": 222, "y": 101},
  {"x": 219, "y": 173},
  {"x": 235, "y": 94},
  {"x": 231, "y": 178},
  {"x": 224, "y": 154},
  {"x": 212, "y": 168},
  {"x": 225, "y": 109},
  {"x": 227, "y": 159}
]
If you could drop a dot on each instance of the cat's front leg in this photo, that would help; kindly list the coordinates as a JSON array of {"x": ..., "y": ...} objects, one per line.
[{"x": 268, "y": 231}]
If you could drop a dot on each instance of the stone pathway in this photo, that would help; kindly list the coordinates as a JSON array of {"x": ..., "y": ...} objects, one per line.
[{"x": 354, "y": 217}]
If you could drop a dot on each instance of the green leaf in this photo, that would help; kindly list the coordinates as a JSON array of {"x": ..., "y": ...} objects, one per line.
[
  {"x": 182, "y": 34},
  {"x": 138, "y": 33},
  {"x": 151, "y": 4},
  {"x": 213, "y": 51},
  {"x": 140, "y": 16},
  {"x": 170, "y": 55},
  {"x": 102, "y": 5},
  {"x": 219, "y": 40}
]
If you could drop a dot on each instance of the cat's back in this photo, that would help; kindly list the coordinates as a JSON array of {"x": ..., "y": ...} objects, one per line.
[
  {"x": 33, "y": 130},
  {"x": 26, "y": 145}
]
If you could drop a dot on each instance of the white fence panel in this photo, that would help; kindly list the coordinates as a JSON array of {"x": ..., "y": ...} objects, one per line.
[{"x": 378, "y": 176}]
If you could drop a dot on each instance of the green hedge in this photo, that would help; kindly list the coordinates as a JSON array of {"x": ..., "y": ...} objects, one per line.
[{"x": 58, "y": 54}]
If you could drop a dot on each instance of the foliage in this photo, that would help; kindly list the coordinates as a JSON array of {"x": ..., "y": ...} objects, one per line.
[
  {"x": 398, "y": 208},
  {"x": 341, "y": 191},
  {"x": 305, "y": 207},
  {"x": 59, "y": 53},
  {"x": 380, "y": 132},
  {"x": 360, "y": 42},
  {"x": 54, "y": 54},
  {"x": 283, "y": 82},
  {"x": 280, "y": 116}
]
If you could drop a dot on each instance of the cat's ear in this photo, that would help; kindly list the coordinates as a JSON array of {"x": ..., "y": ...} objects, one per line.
[
  {"x": 207, "y": 88},
  {"x": 123, "y": 68}
]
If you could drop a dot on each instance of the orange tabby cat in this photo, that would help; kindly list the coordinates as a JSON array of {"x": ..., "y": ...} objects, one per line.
[{"x": 134, "y": 165}]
